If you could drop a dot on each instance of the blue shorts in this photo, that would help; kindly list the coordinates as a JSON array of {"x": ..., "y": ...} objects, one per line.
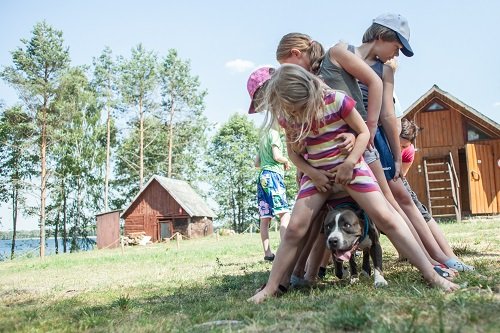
[
  {"x": 385, "y": 153},
  {"x": 271, "y": 194}
]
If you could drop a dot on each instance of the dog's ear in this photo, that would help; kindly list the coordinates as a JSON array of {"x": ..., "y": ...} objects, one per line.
[{"x": 359, "y": 213}]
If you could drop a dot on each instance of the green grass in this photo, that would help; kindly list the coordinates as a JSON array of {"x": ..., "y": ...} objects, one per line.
[{"x": 203, "y": 287}]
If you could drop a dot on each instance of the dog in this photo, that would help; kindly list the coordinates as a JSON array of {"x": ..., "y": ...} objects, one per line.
[{"x": 347, "y": 230}]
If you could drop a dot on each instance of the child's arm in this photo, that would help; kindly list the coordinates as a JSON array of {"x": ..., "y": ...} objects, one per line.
[
  {"x": 344, "y": 171},
  {"x": 354, "y": 65},
  {"x": 278, "y": 157},
  {"x": 388, "y": 118},
  {"x": 405, "y": 167}
]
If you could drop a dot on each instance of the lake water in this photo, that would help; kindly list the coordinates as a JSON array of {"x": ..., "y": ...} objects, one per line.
[{"x": 30, "y": 246}]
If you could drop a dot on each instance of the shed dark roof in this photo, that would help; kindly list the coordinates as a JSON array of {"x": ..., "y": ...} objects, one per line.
[{"x": 192, "y": 203}]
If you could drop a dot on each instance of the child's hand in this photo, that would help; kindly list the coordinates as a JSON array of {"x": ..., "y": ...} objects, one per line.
[
  {"x": 322, "y": 179},
  {"x": 373, "y": 130},
  {"x": 343, "y": 172},
  {"x": 287, "y": 165},
  {"x": 397, "y": 171},
  {"x": 348, "y": 143}
]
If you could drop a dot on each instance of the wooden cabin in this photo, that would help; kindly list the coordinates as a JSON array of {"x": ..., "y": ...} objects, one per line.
[
  {"x": 165, "y": 206},
  {"x": 457, "y": 163}
]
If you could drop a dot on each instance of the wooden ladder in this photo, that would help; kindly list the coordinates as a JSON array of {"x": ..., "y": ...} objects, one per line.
[{"x": 442, "y": 187}]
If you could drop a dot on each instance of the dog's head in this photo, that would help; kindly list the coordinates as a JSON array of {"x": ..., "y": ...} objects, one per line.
[{"x": 343, "y": 231}]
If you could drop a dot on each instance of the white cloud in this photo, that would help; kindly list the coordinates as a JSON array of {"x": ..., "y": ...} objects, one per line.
[
  {"x": 497, "y": 104},
  {"x": 239, "y": 65}
]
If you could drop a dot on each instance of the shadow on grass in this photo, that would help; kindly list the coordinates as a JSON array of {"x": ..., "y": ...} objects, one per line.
[{"x": 217, "y": 303}]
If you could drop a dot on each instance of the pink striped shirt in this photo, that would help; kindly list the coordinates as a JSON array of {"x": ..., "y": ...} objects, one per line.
[{"x": 322, "y": 150}]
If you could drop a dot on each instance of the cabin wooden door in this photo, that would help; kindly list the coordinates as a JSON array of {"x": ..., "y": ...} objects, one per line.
[
  {"x": 481, "y": 168},
  {"x": 165, "y": 230}
]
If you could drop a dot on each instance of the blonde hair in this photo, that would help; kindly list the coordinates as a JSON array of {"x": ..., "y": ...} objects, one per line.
[
  {"x": 303, "y": 43},
  {"x": 295, "y": 96}
]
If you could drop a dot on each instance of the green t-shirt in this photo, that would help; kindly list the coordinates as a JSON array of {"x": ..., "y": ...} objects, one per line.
[{"x": 267, "y": 162}]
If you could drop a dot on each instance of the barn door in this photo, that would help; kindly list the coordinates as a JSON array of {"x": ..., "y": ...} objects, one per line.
[
  {"x": 165, "y": 230},
  {"x": 481, "y": 176}
]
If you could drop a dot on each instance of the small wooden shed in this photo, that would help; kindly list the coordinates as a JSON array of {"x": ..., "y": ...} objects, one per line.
[
  {"x": 165, "y": 206},
  {"x": 457, "y": 163},
  {"x": 108, "y": 229}
]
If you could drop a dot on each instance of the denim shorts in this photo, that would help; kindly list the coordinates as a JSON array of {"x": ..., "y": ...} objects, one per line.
[{"x": 385, "y": 153}]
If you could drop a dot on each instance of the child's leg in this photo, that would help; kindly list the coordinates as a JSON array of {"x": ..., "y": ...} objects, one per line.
[
  {"x": 440, "y": 238},
  {"x": 315, "y": 258},
  {"x": 284, "y": 220},
  {"x": 264, "y": 236},
  {"x": 303, "y": 213},
  {"x": 387, "y": 220},
  {"x": 309, "y": 239},
  {"x": 378, "y": 172},
  {"x": 406, "y": 203}
]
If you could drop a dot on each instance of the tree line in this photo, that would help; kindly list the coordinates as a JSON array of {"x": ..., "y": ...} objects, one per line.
[{"x": 84, "y": 139}]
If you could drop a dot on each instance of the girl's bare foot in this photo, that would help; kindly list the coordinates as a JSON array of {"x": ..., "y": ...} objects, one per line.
[
  {"x": 260, "y": 297},
  {"x": 264, "y": 293},
  {"x": 442, "y": 283}
]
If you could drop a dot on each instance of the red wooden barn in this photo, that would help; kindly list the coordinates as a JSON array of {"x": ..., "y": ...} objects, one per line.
[
  {"x": 165, "y": 206},
  {"x": 457, "y": 163}
]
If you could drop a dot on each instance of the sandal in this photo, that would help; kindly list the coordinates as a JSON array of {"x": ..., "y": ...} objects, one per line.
[
  {"x": 281, "y": 290},
  {"x": 458, "y": 265},
  {"x": 441, "y": 272}
]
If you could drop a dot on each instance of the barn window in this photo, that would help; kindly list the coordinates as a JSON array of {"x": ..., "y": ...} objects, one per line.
[
  {"x": 474, "y": 134},
  {"x": 435, "y": 107},
  {"x": 178, "y": 223}
]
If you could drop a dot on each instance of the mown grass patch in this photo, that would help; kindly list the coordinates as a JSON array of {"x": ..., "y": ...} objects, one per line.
[{"x": 203, "y": 286}]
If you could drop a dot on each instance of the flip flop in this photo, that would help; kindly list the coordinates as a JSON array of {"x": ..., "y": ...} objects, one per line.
[
  {"x": 281, "y": 290},
  {"x": 269, "y": 258},
  {"x": 441, "y": 272}
]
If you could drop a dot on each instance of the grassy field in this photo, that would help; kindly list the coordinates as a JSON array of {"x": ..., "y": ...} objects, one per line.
[{"x": 202, "y": 286}]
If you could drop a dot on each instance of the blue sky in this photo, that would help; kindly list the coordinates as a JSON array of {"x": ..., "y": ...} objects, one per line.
[{"x": 455, "y": 42}]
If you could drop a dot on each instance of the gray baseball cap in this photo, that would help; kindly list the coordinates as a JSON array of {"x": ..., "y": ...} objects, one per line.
[{"x": 400, "y": 26}]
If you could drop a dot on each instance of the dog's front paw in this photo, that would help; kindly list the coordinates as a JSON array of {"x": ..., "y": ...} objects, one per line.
[
  {"x": 380, "y": 282},
  {"x": 354, "y": 279}
]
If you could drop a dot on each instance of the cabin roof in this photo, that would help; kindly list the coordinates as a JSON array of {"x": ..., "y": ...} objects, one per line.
[
  {"x": 192, "y": 203},
  {"x": 464, "y": 109}
]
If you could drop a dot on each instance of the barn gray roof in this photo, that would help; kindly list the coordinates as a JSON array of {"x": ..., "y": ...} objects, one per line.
[{"x": 192, "y": 203}]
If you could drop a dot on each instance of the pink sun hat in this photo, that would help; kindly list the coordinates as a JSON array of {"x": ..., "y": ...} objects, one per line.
[{"x": 256, "y": 80}]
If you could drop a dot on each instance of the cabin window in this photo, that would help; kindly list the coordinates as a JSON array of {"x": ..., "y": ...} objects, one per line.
[
  {"x": 474, "y": 134},
  {"x": 435, "y": 107},
  {"x": 179, "y": 223}
]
